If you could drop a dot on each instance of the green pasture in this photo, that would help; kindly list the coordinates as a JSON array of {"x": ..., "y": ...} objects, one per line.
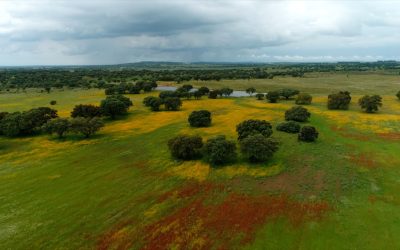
[{"x": 122, "y": 190}]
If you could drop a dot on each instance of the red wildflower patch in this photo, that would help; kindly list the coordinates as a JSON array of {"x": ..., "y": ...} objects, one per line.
[
  {"x": 390, "y": 136},
  {"x": 235, "y": 220},
  {"x": 363, "y": 160}
]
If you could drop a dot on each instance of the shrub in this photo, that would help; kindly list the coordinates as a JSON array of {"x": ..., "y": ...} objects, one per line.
[
  {"x": 59, "y": 126},
  {"x": 153, "y": 102},
  {"x": 86, "y": 110},
  {"x": 398, "y": 95},
  {"x": 172, "y": 103},
  {"x": 185, "y": 147},
  {"x": 298, "y": 114},
  {"x": 258, "y": 148},
  {"x": 289, "y": 127},
  {"x": 260, "y": 96},
  {"x": 53, "y": 102},
  {"x": 370, "y": 104},
  {"x": 113, "y": 107},
  {"x": 219, "y": 150},
  {"x": 308, "y": 134},
  {"x": 86, "y": 126},
  {"x": 250, "y": 127},
  {"x": 201, "y": 118},
  {"x": 287, "y": 93},
  {"x": 272, "y": 96},
  {"x": 250, "y": 91},
  {"x": 303, "y": 99},
  {"x": 339, "y": 100},
  {"x": 213, "y": 94}
]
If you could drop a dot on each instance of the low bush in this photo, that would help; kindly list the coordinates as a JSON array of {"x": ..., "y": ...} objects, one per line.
[
  {"x": 289, "y": 127},
  {"x": 201, "y": 118},
  {"x": 308, "y": 134},
  {"x": 272, "y": 96},
  {"x": 303, "y": 99},
  {"x": 298, "y": 114},
  {"x": 370, "y": 104},
  {"x": 219, "y": 150},
  {"x": 250, "y": 127},
  {"x": 185, "y": 147},
  {"x": 258, "y": 148}
]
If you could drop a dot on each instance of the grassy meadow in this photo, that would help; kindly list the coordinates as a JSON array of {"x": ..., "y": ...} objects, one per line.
[{"x": 122, "y": 190}]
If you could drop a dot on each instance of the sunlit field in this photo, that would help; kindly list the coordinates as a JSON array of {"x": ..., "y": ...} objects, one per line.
[{"x": 121, "y": 189}]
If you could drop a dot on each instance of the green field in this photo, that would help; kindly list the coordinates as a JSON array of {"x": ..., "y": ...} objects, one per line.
[{"x": 122, "y": 190}]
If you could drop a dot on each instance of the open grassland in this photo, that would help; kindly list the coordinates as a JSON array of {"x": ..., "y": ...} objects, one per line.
[
  {"x": 318, "y": 83},
  {"x": 122, "y": 190}
]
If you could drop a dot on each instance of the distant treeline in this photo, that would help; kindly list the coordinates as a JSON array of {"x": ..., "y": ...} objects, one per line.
[{"x": 97, "y": 76}]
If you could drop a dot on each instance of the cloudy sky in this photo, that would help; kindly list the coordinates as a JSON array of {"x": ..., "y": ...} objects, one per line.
[{"x": 39, "y": 32}]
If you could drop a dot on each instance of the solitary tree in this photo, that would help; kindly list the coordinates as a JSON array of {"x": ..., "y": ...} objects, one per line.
[
  {"x": 219, "y": 150},
  {"x": 250, "y": 127},
  {"x": 339, "y": 100},
  {"x": 201, "y": 118},
  {"x": 185, "y": 147},
  {"x": 113, "y": 107},
  {"x": 308, "y": 134},
  {"x": 258, "y": 148},
  {"x": 153, "y": 102},
  {"x": 204, "y": 90},
  {"x": 370, "y": 104},
  {"x": 298, "y": 114},
  {"x": 250, "y": 91},
  {"x": 172, "y": 103},
  {"x": 226, "y": 91},
  {"x": 272, "y": 96},
  {"x": 86, "y": 126},
  {"x": 398, "y": 95},
  {"x": 303, "y": 99},
  {"x": 287, "y": 93},
  {"x": 59, "y": 126}
]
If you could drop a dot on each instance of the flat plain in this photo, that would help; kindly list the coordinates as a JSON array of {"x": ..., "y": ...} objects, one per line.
[{"x": 122, "y": 190}]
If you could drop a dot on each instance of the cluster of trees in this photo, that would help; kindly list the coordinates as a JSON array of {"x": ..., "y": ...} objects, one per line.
[
  {"x": 85, "y": 118},
  {"x": 286, "y": 94},
  {"x": 25, "y": 123},
  {"x": 171, "y": 103},
  {"x": 124, "y": 88},
  {"x": 342, "y": 99},
  {"x": 85, "y": 126},
  {"x": 46, "y": 120},
  {"x": 89, "y": 77},
  {"x": 254, "y": 140}
]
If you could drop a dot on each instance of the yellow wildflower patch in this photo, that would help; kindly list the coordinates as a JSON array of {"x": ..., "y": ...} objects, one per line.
[
  {"x": 192, "y": 170},
  {"x": 232, "y": 171}
]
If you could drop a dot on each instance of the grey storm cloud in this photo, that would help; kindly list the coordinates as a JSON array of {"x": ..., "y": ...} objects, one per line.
[{"x": 100, "y": 32}]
